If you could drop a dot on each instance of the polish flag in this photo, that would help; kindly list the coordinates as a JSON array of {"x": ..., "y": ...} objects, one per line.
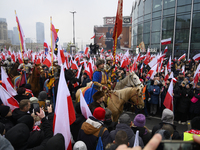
[
  {"x": 6, "y": 83},
  {"x": 125, "y": 60},
  {"x": 166, "y": 49},
  {"x": 86, "y": 51},
  {"x": 169, "y": 64},
  {"x": 153, "y": 62},
  {"x": 93, "y": 37},
  {"x": 166, "y": 41},
  {"x": 101, "y": 37},
  {"x": 168, "y": 102},
  {"x": 7, "y": 99},
  {"x": 54, "y": 36},
  {"x": 196, "y": 57},
  {"x": 74, "y": 65},
  {"x": 196, "y": 74},
  {"x": 102, "y": 50},
  {"x": 84, "y": 107},
  {"x": 61, "y": 56},
  {"x": 166, "y": 74},
  {"x": 152, "y": 72},
  {"x": 141, "y": 68},
  {"x": 147, "y": 57},
  {"x": 183, "y": 69},
  {"x": 64, "y": 114},
  {"x": 13, "y": 56},
  {"x": 182, "y": 57},
  {"x": 78, "y": 75},
  {"x": 47, "y": 61},
  {"x": 19, "y": 56}
]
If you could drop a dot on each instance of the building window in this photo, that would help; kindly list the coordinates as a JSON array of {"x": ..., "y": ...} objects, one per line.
[
  {"x": 135, "y": 40},
  {"x": 156, "y": 25},
  {"x": 147, "y": 17},
  {"x": 147, "y": 5},
  {"x": 139, "y": 40},
  {"x": 155, "y": 37},
  {"x": 156, "y": 14},
  {"x": 183, "y": 22},
  {"x": 140, "y": 12},
  {"x": 183, "y": 2},
  {"x": 135, "y": 30},
  {"x": 183, "y": 9},
  {"x": 140, "y": 28},
  {"x": 146, "y": 27},
  {"x": 167, "y": 12},
  {"x": 168, "y": 23},
  {"x": 146, "y": 38},
  {"x": 196, "y": 1},
  {"x": 157, "y": 5},
  {"x": 196, "y": 7},
  {"x": 168, "y": 4}
]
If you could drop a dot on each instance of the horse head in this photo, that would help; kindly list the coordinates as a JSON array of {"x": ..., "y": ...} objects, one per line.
[
  {"x": 37, "y": 70},
  {"x": 134, "y": 80},
  {"x": 137, "y": 97}
]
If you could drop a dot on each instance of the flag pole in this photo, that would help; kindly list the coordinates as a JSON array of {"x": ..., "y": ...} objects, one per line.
[
  {"x": 52, "y": 64},
  {"x": 114, "y": 52},
  {"x": 21, "y": 46}
]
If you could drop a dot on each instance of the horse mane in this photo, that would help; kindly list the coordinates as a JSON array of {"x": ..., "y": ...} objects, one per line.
[{"x": 123, "y": 93}]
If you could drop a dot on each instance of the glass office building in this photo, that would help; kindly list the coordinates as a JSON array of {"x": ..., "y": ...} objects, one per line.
[{"x": 154, "y": 20}]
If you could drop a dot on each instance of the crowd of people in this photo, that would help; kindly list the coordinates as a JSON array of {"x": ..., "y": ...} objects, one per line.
[{"x": 29, "y": 128}]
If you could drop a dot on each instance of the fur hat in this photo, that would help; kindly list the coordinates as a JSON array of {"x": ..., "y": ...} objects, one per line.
[
  {"x": 139, "y": 120},
  {"x": 125, "y": 118},
  {"x": 167, "y": 116},
  {"x": 97, "y": 95},
  {"x": 99, "y": 62},
  {"x": 99, "y": 113},
  {"x": 4, "y": 110}
]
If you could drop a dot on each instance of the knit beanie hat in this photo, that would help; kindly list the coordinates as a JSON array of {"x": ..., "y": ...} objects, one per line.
[
  {"x": 167, "y": 116},
  {"x": 139, "y": 120},
  {"x": 80, "y": 145},
  {"x": 4, "y": 110},
  {"x": 125, "y": 118},
  {"x": 42, "y": 96},
  {"x": 99, "y": 113}
]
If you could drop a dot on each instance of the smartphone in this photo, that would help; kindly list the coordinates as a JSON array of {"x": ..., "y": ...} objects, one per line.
[
  {"x": 178, "y": 145},
  {"x": 36, "y": 108}
]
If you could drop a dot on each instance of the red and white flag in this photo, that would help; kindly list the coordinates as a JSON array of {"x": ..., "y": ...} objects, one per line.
[
  {"x": 152, "y": 72},
  {"x": 6, "y": 83},
  {"x": 125, "y": 60},
  {"x": 47, "y": 61},
  {"x": 54, "y": 36},
  {"x": 84, "y": 107},
  {"x": 64, "y": 114},
  {"x": 196, "y": 57},
  {"x": 78, "y": 75},
  {"x": 7, "y": 99},
  {"x": 93, "y": 37},
  {"x": 61, "y": 56},
  {"x": 183, "y": 69},
  {"x": 101, "y": 37},
  {"x": 169, "y": 64},
  {"x": 166, "y": 74},
  {"x": 168, "y": 102},
  {"x": 182, "y": 57},
  {"x": 86, "y": 51},
  {"x": 171, "y": 76},
  {"x": 196, "y": 74},
  {"x": 166, "y": 41},
  {"x": 147, "y": 57},
  {"x": 166, "y": 49}
]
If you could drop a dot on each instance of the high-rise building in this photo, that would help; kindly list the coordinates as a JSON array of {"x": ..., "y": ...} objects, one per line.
[
  {"x": 15, "y": 36},
  {"x": 3, "y": 31},
  {"x": 154, "y": 20},
  {"x": 10, "y": 36},
  {"x": 40, "y": 32},
  {"x": 28, "y": 40}
]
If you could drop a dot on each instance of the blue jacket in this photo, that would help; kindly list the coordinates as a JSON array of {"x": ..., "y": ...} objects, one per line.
[{"x": 154, "y": 90}]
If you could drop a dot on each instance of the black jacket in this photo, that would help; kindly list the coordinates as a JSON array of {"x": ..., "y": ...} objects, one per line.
[
  {"x": 109, "y": 124},
  {"x": 17, "y": 113},
  {"x": 176, "y": 135},
  {"x": 85, "y": 81},
  {"x": 194, "y": 107},
  {"x": 8, "y": 122}
]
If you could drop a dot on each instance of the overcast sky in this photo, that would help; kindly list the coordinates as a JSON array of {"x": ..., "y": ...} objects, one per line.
[{"x": 89, "y": 13}]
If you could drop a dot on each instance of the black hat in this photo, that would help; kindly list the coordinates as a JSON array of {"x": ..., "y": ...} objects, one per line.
[
  {"x": 27, "y": 86},
  {"x": 28, "y": 120},
  {"x": 56, "y": 142},
  {"x": 18, "y": 136},
  {"x": 97, "y": 95},
  {"x": 42, "y": 96},
  {"x": 4, "y": 110}
]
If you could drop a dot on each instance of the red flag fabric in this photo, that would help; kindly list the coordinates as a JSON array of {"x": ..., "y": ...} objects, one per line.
[
  {"x": 147, "y": 57},
  {"x": 166, "y": 49},
  {"x": 93, "y": 37},
  {"x": 86, "y": 50},
  {"x": 169, "y": 64},
  {"x": 100, "y": 37},
  {"x": 47, "y": 61},
  {"x": 54, "y": 36},
  {"x": 182, "y": 57},
  {"x": 166, "y": 74},
  {"x": 7, "y": 99},
  {"x": 196, "y": 57},
  {"x": 166, "y": 41},
  {"x": 6, "y": 83},
  {"x": 64, "y": 114},
  {"x": 152, "y": 72},
  {"x": 84, "y": 107},
  {"x": 168, "y": 102},
  {"x": 119, "y": 20}
]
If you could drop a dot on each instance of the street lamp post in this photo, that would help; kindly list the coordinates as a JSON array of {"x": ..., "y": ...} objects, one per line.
[{"x": 73, "y": 27}]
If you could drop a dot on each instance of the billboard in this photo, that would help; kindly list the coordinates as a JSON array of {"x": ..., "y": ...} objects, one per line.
[{"x": 103, "y": 37}]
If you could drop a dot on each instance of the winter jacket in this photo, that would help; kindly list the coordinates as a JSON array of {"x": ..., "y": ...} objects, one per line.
[
  {"x": 184, "y": 101},
  {"x": 85, "y": 81},
  {"x": 93, "y": 105},
  {"x": 75, "y": 127},
  {"x": 109, "y": 124},
  {"x": 129, "y": 132},
  {"x": 154, "y": 91},
  {"x": 8, "y": 122},
  {"x": 17, "y": 113},
  {"x": 89, "y": 133},
  {"x": 143, "y": 133},
  {"x": 5, "y": 144},
  {"x": 176, "y": 135},
  {"x": 194, "y": 107}
]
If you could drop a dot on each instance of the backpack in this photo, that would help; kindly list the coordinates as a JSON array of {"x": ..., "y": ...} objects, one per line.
[{"x": 99, "y": 144}]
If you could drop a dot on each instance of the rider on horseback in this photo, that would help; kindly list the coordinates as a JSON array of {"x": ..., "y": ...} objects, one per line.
[
  {"x": 108, "y": 67},
  {"x": 25, "y": 67},
  {"x": 56, "y": 69},
  {"x": 8, "y": 64}
]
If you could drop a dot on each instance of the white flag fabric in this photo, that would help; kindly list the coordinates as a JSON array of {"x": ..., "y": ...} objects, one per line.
[
  {"x": 136, "y": 142},
  {"x": 6, "y": 83},
  {"x": 7, "y": 99},
  {"x": 84, "y": 107}
]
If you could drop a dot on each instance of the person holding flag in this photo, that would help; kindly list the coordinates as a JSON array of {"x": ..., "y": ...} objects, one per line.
[{"x": 27, "y": 67}]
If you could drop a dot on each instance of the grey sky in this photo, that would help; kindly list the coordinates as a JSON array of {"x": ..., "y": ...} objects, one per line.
[{"x": 89, "y": 13}]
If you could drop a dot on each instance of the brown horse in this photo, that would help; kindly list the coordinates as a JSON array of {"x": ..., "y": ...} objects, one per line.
[
  {"x": 13, "y": 71},
  {"x": 34, "y": 79},
  {"x": 118, "y": 98}
]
